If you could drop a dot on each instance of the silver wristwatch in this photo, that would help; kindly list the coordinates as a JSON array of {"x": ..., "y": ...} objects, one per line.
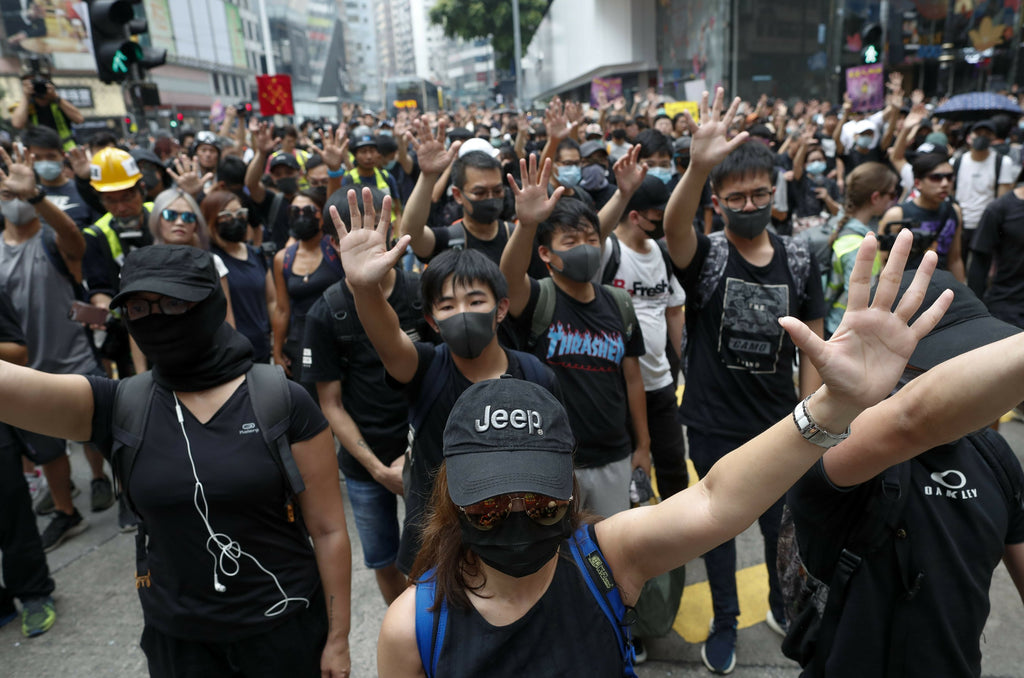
[{"x": 810, "y": 430}]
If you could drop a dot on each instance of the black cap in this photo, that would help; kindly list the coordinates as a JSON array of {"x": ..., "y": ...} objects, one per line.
[
  {"x": 967, "y": 324},
  {"x": 386, "y": 144},
  {"x": 984, "y": 124},
  {"x": 590, "y": 147},
  {"x": 179, "y": 271},
  {"x": 761, "y": 131},
  {"x": 507, "y": 435},
  {"x": 285, "y": 160},
  {"x": 459, "y": 134},
  {"x": 652, "y": 195},
  {"x": 146, "y": 155}
]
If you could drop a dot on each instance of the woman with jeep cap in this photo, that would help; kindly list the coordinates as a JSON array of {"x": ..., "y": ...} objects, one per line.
[{"x": 228, "y": 579}]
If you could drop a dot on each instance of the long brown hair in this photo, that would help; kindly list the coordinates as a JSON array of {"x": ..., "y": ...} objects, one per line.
[
  {"x": 861, "y": 184},
  {"x": 443, "y": 548},
  {"x": 213, "y": 204}
]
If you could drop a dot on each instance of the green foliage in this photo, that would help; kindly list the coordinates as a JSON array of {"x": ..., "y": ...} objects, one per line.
[{"x": 470, "y": 19}]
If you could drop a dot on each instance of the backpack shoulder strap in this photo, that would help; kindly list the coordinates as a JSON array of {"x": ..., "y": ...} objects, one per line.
[
  {"x": 410, "y": 312},
  {"x": 275, "y": 208},
  {"x": 533, "y": 369},
  {"x": 133, "y": 400},
  {"x": 330, "y": 255},
  {"x": 456, "y": 236},
  {"x": 272, "y": 402},
  {"x": 345, "y": 321},
  {"x": 798, "y": 259},
  {"x": 999, "y": 167},
  {"x": 430, "y": 623},
  {"x": 713, "y": 269},
  {"x": 289, "y": 259},
  {"x": 670, "y": 269},
  {"x": 432, "y": 386},
  {"x": 598, "y": 576},
  {"x": 542, "y": 312},
  {"x": 614, "y": 261},
  {"x": 624, "y": 303},
  {"x": 987, "y": 441}
]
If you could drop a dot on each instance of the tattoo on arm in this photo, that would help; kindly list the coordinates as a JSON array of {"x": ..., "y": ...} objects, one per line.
[{"x": 362, "y": 443}]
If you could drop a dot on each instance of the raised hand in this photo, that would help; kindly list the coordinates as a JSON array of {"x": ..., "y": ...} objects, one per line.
[
  {"x": 556, "y": 122},
  {"x": 79, "y": 160},
  {"x": 335, "y": 147},
  {"x": 20, "y": 178},
  {"x": 430, "y": 150},
  {"x": 186, "y": 174},
  {"x": 629, "y": 172},
  {"x": 264, "y": 140},
  {"x": 917, "y": 113},
  {"x": 363, "y": 249},
  {"x": 532, "y": 202},
  {"x": 865, "y": 357},
  {"x": 711, "y": 143}
]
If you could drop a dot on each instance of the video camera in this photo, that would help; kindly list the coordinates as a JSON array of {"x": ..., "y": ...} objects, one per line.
[{"x": 923, "y": 240}]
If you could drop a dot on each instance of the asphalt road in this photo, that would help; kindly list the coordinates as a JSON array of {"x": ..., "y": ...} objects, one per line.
[{"x": 99, "y": 619}]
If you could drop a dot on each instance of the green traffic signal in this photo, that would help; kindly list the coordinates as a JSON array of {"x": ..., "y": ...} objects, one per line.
[{"x": 871, "y": 54}]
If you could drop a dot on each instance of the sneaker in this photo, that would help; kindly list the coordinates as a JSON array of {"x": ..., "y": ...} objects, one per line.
[
  {"x": 719, "y": 651},
  {"x": 640, "y": 650},
  {"x": 37, "y": 616},
  {"x": 773, "y": 623},
  {"x": 127, "y": 521},
  {"x": 37, "y": 484},
  {"x": 102, "y": 494},
  {"x": 62, "y": 528},
  {"x": 45, "y": 505}
]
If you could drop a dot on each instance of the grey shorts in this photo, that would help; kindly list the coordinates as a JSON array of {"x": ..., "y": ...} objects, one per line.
[{"x": 604, "y": 490}]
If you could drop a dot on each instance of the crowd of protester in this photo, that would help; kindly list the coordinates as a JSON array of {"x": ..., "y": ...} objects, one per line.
[{"x": 609, "y": 254}]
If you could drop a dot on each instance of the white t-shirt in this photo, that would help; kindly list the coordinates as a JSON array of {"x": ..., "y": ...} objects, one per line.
[
  {"x": 976, "y": 185},
  {"x": 653, "y": 289}
]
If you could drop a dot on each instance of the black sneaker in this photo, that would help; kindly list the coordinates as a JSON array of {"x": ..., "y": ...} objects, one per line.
[
  {"x": 62, "y": 528},
  {"x": 719, "y": 651},
  {"x": 45, "y": 505},
  {"x": 640, "y": 650},
  {"x": 102, "y": 494}
]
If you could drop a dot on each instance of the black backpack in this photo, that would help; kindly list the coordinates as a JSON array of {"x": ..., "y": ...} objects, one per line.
[
  {"x": 457, "y": 233},
  {"x": 272, "y": 404},
  {"x": 615, "y": 260},
  {"x": 815, "y": 580}
]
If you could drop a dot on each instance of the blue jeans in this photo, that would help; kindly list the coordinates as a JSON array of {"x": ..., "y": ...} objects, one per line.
[
  {"x": 376, "y": 512},
  {"x": 720, "y": 562}
]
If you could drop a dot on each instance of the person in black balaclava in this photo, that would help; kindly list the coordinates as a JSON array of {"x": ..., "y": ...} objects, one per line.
[{"x": 217, "y": 516}]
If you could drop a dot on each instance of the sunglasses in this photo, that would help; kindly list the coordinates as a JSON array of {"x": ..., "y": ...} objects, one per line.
[
  {"x": 938, "y": 177},
  {"x": 174, "y": 215},
  {"x": 306, "y": 211},
  {"x": 242, "y": 213},
  {"x": 139, "y": 308},
  {"x": 540, "y": 508}
]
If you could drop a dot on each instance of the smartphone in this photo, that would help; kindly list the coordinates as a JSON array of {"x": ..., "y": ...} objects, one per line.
[{"x": 88, "y": 314}]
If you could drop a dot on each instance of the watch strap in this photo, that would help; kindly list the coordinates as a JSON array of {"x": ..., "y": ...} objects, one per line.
[{"x": 810, "y": 429}]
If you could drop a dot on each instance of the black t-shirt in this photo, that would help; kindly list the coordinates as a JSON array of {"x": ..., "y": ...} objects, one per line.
[
  {"x": 492, "y": 249},
  {"x": 10, "y": 333},
  {"x": 855, "y": 158},
  {"x": 276, "y": 232},
  {"x": 247, "y": 283},
  {"x": 802, "y": 195},
  {"x": 1001, "y": 234},
  {"x": 246, "y": 495},
  {"x": 585, "y": 345},
  {"x": 739, "y": 378},
  {"x": 958, "y": 521},
  {"x": 427, "y": 447},
  {"x": 381, "y": 412},
  {"x": 70, "y": 201}
]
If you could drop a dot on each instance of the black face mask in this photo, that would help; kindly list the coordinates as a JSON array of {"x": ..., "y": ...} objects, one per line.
[
  {"x": 518, "y": 546},
  {"x": 981, "y": 143},
  {"x": 468, "y": 334},
  {"x": 288, "y": 185},
  {"x": 659, "y": 229},
  {"x": 151, "y": 178},
  {"x": 304, "y": 228},
  {"x": 485, "y": 211},
  {"x": 233, "y": 230}
]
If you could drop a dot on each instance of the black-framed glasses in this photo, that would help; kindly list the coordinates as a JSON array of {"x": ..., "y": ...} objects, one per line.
[
  {"x": 242, "y": 213},
  {"x": 304, "y": 211},
  {"x": 174, "y": 215},
  {"x": 139, "y": 307},
  {"x": 540, "y": 508},
  {"x": 737, "y": 201}
]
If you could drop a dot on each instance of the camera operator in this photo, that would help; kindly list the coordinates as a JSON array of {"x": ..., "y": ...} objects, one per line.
[{"x": 41, "y": 105}]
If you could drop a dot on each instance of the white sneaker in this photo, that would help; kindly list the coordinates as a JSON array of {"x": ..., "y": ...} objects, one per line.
[
  {"x": 774, "y": 624},
  {"x": 37, "y": 484}
]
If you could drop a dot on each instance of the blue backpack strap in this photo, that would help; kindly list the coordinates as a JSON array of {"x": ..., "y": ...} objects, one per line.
[
  {"x": 331, "y": 256},
  {"x": 431, "y": 387},
  {"x": 289, "y": 259},
  {"x": 430, "y": 624},
  {"x": 533, "y": 369},
  {"x": 598, "y": 575}
]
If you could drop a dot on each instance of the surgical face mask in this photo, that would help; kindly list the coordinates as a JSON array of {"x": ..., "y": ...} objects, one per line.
[
  {"x": 593, "y": 177},
  {"x": 485, "y": 211},
  {"x": 48, "y": 170},
  {"x": 17, "y": 212},
  {"x": 579, "y": 263},
  {"x": 288, "y": 185},
  {"x": 749, "y": 225},
  {"x": 518, "y": 546},
  {"x": 569, "y": 175},
  {"x": 981, "y": 143},
  {"x": 386, "y": 133},
  {"x": 816, "y": 167},
  {"x": 662, "y": 173},
  {"x": 232, "y": 230},
  {"x": 864, "y": 141},
  {"x": 468, "y": 334}
]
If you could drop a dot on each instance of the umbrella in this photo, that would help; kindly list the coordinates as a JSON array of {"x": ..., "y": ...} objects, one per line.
[{"x": 977, "y": 106}]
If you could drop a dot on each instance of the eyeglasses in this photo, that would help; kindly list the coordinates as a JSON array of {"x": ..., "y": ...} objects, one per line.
[
  {"x": 305, "y": 211},
  {"x": 242, "y": 213},
  {"x": 174, "y": 215},
  {"x": 540, "y": 508},
  {"x": 737, "y": 201},
  {"x": 138, "y": 307},
  {"x": 939, "y": 177}
]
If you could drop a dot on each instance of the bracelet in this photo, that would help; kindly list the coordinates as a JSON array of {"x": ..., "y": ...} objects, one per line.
[
  {"x": 810, "y": 429},
  {"x": 336, "y": 174}
]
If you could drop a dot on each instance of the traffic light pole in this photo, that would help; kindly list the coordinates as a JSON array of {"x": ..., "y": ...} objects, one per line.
[{"x": 133, "y": 95}]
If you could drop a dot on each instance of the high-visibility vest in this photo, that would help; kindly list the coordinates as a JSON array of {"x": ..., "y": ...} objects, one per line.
[
  {"x": 381, "y": 177},
  {"x": 63, "y": 128},
  {"x": 103, "y": 228}
]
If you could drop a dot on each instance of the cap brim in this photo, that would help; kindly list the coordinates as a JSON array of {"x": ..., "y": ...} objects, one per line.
[
  {"x": 119, "y": 186},
  {"x": 169, "y": 288},
  {"x": 948, "y": 342},
  {"x": 475, "y": 477}
]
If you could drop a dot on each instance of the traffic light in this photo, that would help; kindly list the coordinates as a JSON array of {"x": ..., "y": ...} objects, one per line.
[
  {"x": 113, "y": 24},
  {"x": 871, "y": 41}
]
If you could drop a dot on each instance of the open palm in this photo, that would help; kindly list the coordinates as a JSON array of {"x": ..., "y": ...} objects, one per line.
[
  {"x": 711, "y": 144},
  {"x": 363, "y": 249},
  {"x": 532, "y": 202},
  {"x": 431, "y": 154}
]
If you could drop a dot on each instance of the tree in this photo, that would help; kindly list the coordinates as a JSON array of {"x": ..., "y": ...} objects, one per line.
[{"x": 470, "y": 19}]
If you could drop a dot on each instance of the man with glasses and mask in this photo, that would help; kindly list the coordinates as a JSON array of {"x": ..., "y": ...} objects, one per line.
[
  {"x": 932, "y": 214},
  {"x": 739, "y": 361}
]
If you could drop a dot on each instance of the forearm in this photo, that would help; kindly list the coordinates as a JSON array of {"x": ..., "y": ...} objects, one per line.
[
  {"x": 611, "y": 213},
  {"x": 977, "y": 272},
  {"x": 404, "y": 159},
  {"x": 417, "y": 210},
  {"x": 520, "y": 147},
  {"x": 253, "y": 174},
  {"x": 55, "y": 405},
  {"x": 442, "y": 184},
  {"x": 19, "y": 118},
  {"x": 70, "y": 240},
  {"x": 675, "y": 319},
  {"x": 279, "y": 325},
  {"x": 348, "y": 434},
  {"x": 225, "y": 125},
  {"x": 73, "y": 114},
  {"x": 334, "y": 561},
  {"x": 637, "y": 399},
  {"x": 679, "y": 213},
  {"x": 13, "y": 353},
  {"x": 515, "y": 262}
]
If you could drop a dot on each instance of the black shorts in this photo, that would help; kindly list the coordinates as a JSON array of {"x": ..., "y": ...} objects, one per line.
[{"x": 292, "y": 648}]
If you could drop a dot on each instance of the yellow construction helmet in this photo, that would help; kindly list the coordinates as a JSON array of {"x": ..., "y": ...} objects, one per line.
[{"x": 112, "y": 169}]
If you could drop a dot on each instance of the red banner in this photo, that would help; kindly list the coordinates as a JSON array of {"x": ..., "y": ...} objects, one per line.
[{"x": 275, "y": 93}]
